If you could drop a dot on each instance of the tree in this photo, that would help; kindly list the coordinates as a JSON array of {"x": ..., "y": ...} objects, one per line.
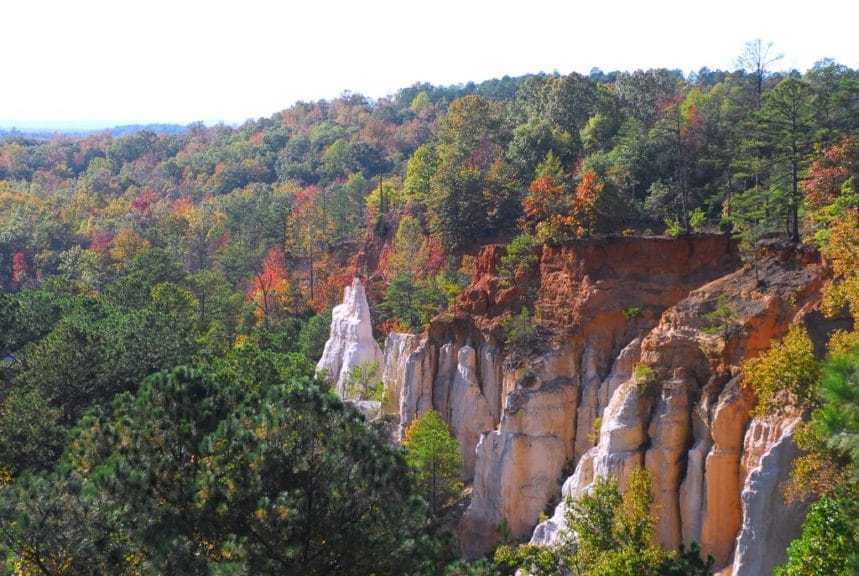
[
  {"x": 434, "y": 457},
  {"x": 787, "y": 119},
  {"x": 409, "y": 255},
  {"x": 785, "y": 375},
  {"x": 838, "y": 418},
  {"x": 220, "y": 472},
  {"x": 547, "y": 205},
  {"x": 609, "y": 534},
  {"x": 467, "y": 150},
  {"x": 842, "y": 249},
  {"x": 411, "y": 303},
  {"x": 269, "y": 289},
  {"x": 518, "y": 260},
  {"x": 309, "y": 231},
  {"x": 756, "y": 58},
  {"x": 829, "y": 544},
  {"x": 363, "y": 382},
  {"x": 588, "y": 192}
]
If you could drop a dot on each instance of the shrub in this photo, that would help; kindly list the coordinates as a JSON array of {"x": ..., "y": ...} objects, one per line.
[
  {"x": 785, "y": 375},
  {"x": 643, "y": 372},
  {"x": 519, "y": 258},
  {"x": 632, "y": 312},
  {"x": 675, "y": 228},
  {"x": 519, "y": 331},
  {"x": 697, "y": 219}
]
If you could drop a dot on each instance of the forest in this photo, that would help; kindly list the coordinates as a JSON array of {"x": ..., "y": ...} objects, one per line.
[{"x": 165, "y": 298}]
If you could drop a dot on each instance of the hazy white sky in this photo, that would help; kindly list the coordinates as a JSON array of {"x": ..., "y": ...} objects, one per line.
[{"x": 105, "y": 62}]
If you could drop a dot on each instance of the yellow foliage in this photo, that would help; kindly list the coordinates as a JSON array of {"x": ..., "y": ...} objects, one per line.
[
  {"x": 843, "y": 254},
  {"x": 126, "y": 245},
  {"x": 785, "y": 375}
]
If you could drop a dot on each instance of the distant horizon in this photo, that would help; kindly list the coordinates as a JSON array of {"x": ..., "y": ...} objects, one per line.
[
  {"x": 71, "y": 126},
  {"x": 86, "y": 68}
]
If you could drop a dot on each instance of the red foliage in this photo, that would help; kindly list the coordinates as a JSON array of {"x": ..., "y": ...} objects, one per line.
[
  {"x": 19, "y": 268},
  {"x": 435, "y": 256},
  {"x": 273, "y": 273},
  {"x": 183, "y": 206},
  {"x": 587, "y": 194},
  {"x": 305, "y": 194},
  {"x": 143, "y": 203},
  {"x": 329, "y": 286},
  {"x": 828, "y": 173},
  {"x": 101, "y": 241}
]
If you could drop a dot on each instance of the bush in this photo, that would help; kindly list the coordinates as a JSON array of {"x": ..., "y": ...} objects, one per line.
[
  {"x": 675, "y": 228},
  {"x": 632, "y": 312},
  {"x": 785, "y": 375},
  {"x": 642, "y": 372},
  {"x": 697, "y": 219},
  {"x": 363, "y": 382},
  {"x": 519, "y": 258},
  {"x": 519, "y": 331}
]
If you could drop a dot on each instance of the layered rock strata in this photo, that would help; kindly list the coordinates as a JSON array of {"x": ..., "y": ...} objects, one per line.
[
  {"x": 637, "y": 366},
  {"x": 685, "y": 417}
]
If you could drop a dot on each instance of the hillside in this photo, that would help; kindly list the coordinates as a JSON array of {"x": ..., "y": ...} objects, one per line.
[{"x": 581, "y": 276}]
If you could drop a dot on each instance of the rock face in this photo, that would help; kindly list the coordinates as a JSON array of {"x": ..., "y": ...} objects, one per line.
[
  {"x": 350, "y": 342},
  {"x": 636, "y": 369},
  {"x": 768, "y": 524},
  {"x": 687, "y": 421}
]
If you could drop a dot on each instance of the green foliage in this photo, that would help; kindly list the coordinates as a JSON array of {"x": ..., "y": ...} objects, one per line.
[
  {"x": 411, "y": 303},
  {"x": 675, "y": 228},
  {"x": 199, "y": 473},
  {"x": 482, "y": 567},
  {"x": 632, "y": 312},
  {"x": 697, "y": 219},
  {"x": 594, "y": 434},
  {"x": 609, "y": 533},
  {"x": 786, "y": 375},
  {"x": 434, "y": 457},
  {"x": 829, "y": 544},
  {"x": 722, "y": 319},
  {"x": 838, "y": 418},
  {"x": 363, "y": 382},
  {"x": 314, "y": 334},
  {"x": 519, "y": 331},
  {"x": 122, "y": 256},
  {"x": 518, "y": 260},
  {"x": 643, "y": 372}
]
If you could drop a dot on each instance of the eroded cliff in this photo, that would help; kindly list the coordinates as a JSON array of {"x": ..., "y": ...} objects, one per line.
[{"x": 641, "y": 340}]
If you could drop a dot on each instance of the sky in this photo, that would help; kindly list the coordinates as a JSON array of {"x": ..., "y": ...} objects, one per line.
[{"x": 94, "y": 63}]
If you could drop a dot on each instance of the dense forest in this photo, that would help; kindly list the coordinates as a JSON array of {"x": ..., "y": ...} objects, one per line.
[{"x": 166, "y": 296}]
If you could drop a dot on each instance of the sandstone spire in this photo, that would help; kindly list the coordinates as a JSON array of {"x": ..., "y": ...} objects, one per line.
[{"x": 350, "y": 342}]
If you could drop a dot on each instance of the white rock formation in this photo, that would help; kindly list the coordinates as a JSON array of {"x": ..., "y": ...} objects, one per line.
[
  {"x": 350, "y": 342},
  {"x": 769, "y": 524},
  {"x": 398, "y": 350}
]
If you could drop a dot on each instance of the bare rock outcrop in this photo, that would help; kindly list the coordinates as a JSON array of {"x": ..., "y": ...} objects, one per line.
[
  {"x": 637, "y": 366},
  {"x": 686, "y": 417},
  {"x": 596, "y": 297},
  {"x": 768, "y": 523},
  {"x": 351, "y": 341}
]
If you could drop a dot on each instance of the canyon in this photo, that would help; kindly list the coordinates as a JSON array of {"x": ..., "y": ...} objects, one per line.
[{"x": 634, "y": 362}]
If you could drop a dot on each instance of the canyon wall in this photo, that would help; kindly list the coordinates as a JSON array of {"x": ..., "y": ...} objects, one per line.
[{"x": 636, "y": 364}]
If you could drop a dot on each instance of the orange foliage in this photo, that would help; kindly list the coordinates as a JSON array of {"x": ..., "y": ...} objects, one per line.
[
  {"x": 555, "y": 214},
  {"x": 269, "y": 289},
  {"x": 587, "y": 194}
]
